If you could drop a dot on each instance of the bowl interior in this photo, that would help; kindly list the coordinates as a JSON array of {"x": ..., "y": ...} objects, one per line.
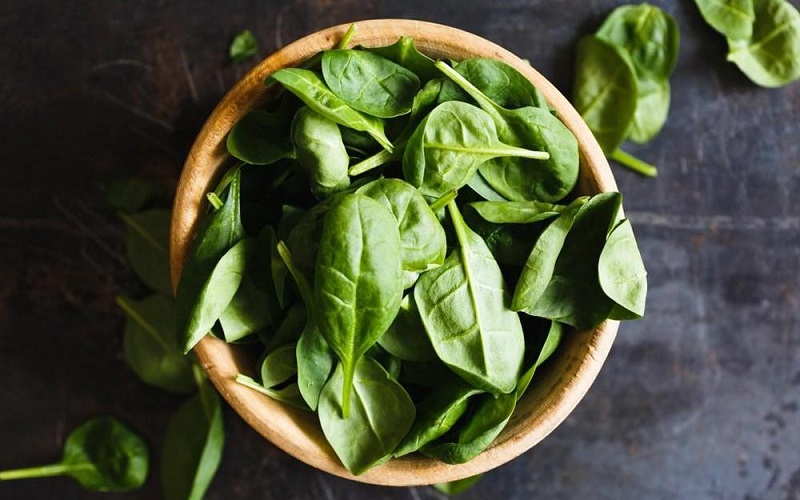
[{"x": 556, "y": 389}]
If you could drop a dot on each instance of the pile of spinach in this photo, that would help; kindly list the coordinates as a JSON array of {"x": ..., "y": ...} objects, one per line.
[
  {"x": 763, "y": 37},
  {"x": 622, "y": 75},
  {"x": 399, "y": 239}
]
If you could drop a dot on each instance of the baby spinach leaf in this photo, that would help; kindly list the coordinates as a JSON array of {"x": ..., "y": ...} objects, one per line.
[
  {"x": 392, "y": 364},
  {"x": 498, "y": 81},
  {"x": 405, "y": 53},
  {"x": 478, "y": 184},
  {"x": 290, "y": 394},
  {"x": 477, "y": 433},
  {"x": 450, "y": 144},
  {"x": 422, "y": 238},
  {"x": 605, "y": 91},
  {"x": 357, "y": 283},
  {"x": 290, "y": 328},
  {"x": 148, "y": 247},
  {"x": 621, "y": 271},
  {"x": 221, "y": 231},
  {"x": 574, "y": 295},
  {"x": 523, "y": 178},
  {"x": 102, "y": 455},
  {"x": 370, "y": 83},
  {"x": 771, "y": 57},
  {"x": 550, "y": 345},
  {"x": 464, "y": 307},
  {"x": 309, "y": 87},
  {"x": 320, "y": 152},
  {"x": 541, "y": 263},
  {"x": 459, "y": 486},
  {"x": 650, "y": 37},
  {"x": 315, "y": 359},
  {"x": 732, "y": 18},
  {"x": 261, "y": 138},
  {"x": 510, "y": 244},
  {"x": 279, "y": 365},
  {"x": 243, "y": 47},
  {"x": 437, "y": 413},
  {"x": 218, "y": 291},
  {"x": 517, "y": 212},
  {"x": 192, "y": 446},
  {"x": 380, "y": 414},
  {"x": 406, "y": 338},
  {"x": 150, "y": 346}
]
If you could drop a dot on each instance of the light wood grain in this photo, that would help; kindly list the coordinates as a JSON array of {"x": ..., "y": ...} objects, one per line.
[{"x": 556, "y": 389}]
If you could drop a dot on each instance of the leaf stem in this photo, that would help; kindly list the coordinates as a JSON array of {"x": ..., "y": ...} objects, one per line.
[
  {"x": 227, "y": 178},
  {"x": 348, "y": 35},
  {"x": 380, "y": 158},
  {"x": 347, "y": 386},
  {"x": 443, "y": 200},
  {"x": 633, "y": 163},
  {"x": 213, "y": 198},
  {"x": 40, "y": 471},
  {"x": 484, "y": 102},
  {"x": 302, "y": 283}
]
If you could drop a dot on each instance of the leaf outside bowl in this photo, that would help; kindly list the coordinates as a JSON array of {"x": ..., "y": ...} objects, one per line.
[{"x": 559, "y": 385}]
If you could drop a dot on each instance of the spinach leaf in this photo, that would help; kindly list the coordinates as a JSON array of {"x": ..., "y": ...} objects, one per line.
[
  {"x": 477, "y": 433},
  {"x": 422, "y": 237},
  {"x": 150, "y": 346},
  {"x": 262, "y": 138},
  {"x": 131, "y": 194},
  {"x": 650, "y": 38},
  {"x": 379, "y": 415},
  {"x": 148, "y": 247},
  {"x": 392, "y": 364},
  {"x": 315, "y": 359},
  {"x": 406, "y": 338},
  {"x": 309, "y": 87},
  {"x": 498, "y": 81},
  {"x": 279, "y": 365},
  {"x": 290, "y": 328},
  {"x": 510, "y": 244},
  {"x": 221, "y": 231},
  {"x": 541, "y": 262},
  {"x": 102, "y": 455},
  {"x": 771, "y": 57},
  {"x": 405, "y": 53},
  {"x": 464, "y": 307},
  {"x": 517, "y": 212},
  {"x": 357, "y": 283},
  {"x": 732, "y": 18},
  {"x": 437, "y": 414},
  {"x": 217, "y": 292},
  {"x": 459, "y": 486},
  {"x": 523, "y": 178},
  {"x": 192, "y": 446},
  {"x": 243, "y": 47},
  {"x": 551, "y": 342},
  {"x": 573, "y": 294},
  {"x": 320, "y": 152},
  {"x": 289, "y": 395},
  {"x": 450, "y": 144},
  {"x": 621, "y": 272},
  {"x": 478, "y": 184},
  {"x": 605, "y": 91},
  {"x": 370, "y": 83}
]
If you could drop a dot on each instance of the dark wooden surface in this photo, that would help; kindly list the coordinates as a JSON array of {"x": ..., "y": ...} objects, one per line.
[{"x": 699, "y": 400}]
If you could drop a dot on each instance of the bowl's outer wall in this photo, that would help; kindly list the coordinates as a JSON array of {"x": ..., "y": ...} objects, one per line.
[{"x": 558, "y": 387}]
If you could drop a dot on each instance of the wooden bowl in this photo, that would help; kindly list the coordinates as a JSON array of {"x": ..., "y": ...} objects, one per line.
[{"x": 556, "y": 389}]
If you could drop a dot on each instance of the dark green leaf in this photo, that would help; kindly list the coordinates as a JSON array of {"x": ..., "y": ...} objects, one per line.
[
  {"x": 621, "y": 271},
  {"x": 148, "y": 247},
  {"x": 261, "y": 138},
  {"x": 279, "y": 365},
  {"x": 501, "y": 83},
  {"x": 132, "y": 194},
  {"x": 320, "y": 152},
  {"x": 459, "y": 486},
  {"x": 405, "y": 53},
  {"x": 243, "y": 47},
  {"x": 406, "y": 337}
]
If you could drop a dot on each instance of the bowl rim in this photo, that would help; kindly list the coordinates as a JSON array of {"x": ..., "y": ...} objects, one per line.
[{"x": 285, "y": 427}]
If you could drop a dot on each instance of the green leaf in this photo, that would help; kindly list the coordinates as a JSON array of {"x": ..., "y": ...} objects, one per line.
[
  {"x": 406, "y": 338},
  {"x": 732, "y": 18},
  {"x": 771, "y": 57},
  {"x": 192, "y": 446},
  {"x": 380, "y": 414},
  {"x": 422, "y": 237},
  {"x": 290, "y": 394},
  {"x": 621, "y": 271},
  {"x": 405, "y": 53},
  {"x": 132, "y": 194},
  {"x": 150, "y": 346},
  {"x": 605, "y": 91},
  {"x": 459, "y": 486},
  {"x": 498, "y": 81},
  {"x": 261, "y": 138},
  {"x": 357, "y": 284},
  {"x": 243, "y": 47},
  {"x": 310, "y": 88},
  {"x": 464, "y": 307},
  {"x": 102, "y": 455},
  {"x": 370, "y": 83},
  {"x": 148, "y": 247},
  {"x": 220, "y": 232},
  {"x": 279, "y": 365},
  {"x": 320, "y": 152},
  {"x": 517, "y": 212}
]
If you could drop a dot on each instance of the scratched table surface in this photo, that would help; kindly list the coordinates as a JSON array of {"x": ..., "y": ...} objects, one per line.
[{"x": 698, "y": 400}]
